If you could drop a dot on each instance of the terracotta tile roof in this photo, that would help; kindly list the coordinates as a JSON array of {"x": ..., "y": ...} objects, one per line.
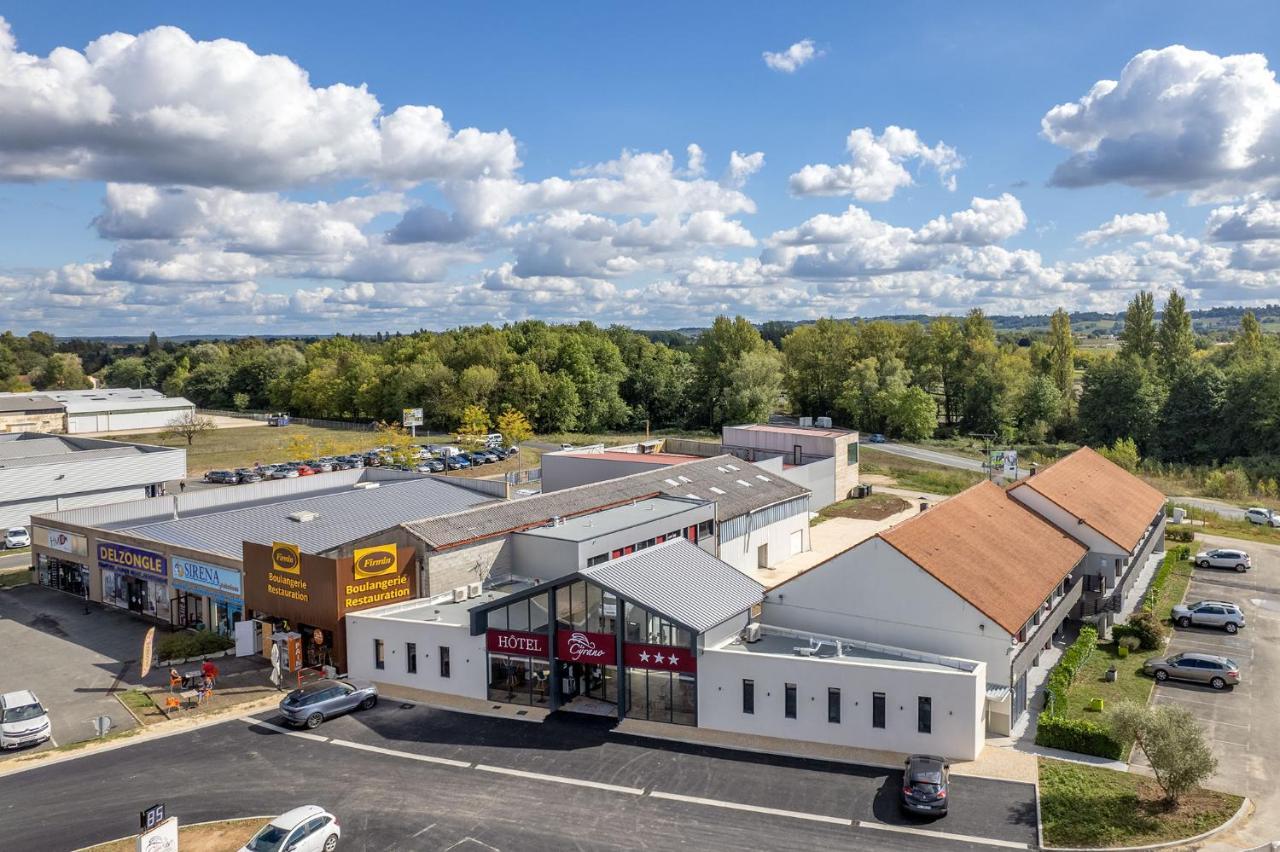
[
  {"x": 1104, "y": 495},
  {"x": 1001, "y": 558}
]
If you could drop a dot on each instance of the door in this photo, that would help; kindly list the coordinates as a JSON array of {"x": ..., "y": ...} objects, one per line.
[
  {"x": 762, "y": 556},
  {"x": 136, "y": 592},
  {"x": 246, "y": 638},
  {"x": 797, "y": 541}
]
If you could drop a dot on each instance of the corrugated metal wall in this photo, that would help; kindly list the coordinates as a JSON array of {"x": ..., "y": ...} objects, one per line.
[{"x": 748, "y": 523}]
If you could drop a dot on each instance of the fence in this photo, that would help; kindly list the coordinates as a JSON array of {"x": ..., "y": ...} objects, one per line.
[{"x": 353, "y": 425}]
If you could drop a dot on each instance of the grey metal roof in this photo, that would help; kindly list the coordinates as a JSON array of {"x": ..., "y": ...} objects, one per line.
[
  {"x": 722, "y": 472},
  {"x": 33, "y": 403},
  {"x": 596, "y": 524},
  {"x": 681, "y": 581},
  {"x": 342, "y": 517}
]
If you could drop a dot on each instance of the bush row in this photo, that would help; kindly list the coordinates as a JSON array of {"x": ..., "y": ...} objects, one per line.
[
  {"x": 1180, "y": 534},
  {"x": 1178, "y": 554},
  {"x": 1064, "y": 673},
  {"x": 184, "y": 644},
  {"x": 1083, "y": 736}
]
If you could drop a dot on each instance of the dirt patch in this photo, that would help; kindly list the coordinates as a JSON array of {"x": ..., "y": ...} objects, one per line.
[
  {"x": 211, "y": 837},
  {"x": 875, "y": 507}
]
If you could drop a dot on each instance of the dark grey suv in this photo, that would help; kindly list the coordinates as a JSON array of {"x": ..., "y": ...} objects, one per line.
[
  {"x": 323, "y": 699},
  {"x": 924, "y": 785}
]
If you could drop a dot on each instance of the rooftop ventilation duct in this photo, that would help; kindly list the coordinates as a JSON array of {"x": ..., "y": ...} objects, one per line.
[{"x": 304, "y": 517}]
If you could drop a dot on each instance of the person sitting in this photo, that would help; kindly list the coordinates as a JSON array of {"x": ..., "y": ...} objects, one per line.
[{"x": 175, "y": 680}]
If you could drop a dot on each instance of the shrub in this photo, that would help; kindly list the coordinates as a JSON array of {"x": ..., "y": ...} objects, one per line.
[
  {"x": 1064, "y": 673},
  {"x": 1131, "y": 643},
  {"x": 184, "y": 644},
  {"x": 1084, "y": 736},
  {"x": 1147, "y": 629},
  {"x": 1179, "y": 534},
  {"x": 1230, "y": 484}
]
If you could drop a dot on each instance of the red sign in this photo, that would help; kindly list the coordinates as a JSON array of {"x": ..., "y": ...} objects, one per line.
[
  {"x": 576, "y": 646},
  {"x": 660, "y": 657},
  {"x": 516, "y": 642}
]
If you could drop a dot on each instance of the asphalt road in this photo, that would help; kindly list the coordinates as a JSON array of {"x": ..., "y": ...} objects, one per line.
[
  {"x": 937, "y": 457},
  {"x": 1223, "y": 508},
  {"x": 407, "y": 777}
]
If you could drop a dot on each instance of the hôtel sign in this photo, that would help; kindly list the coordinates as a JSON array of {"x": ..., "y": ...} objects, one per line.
[{"x": 518, "y": 642}]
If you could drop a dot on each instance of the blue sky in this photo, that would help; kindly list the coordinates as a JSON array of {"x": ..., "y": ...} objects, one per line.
[{"x": 575, "y": 85}]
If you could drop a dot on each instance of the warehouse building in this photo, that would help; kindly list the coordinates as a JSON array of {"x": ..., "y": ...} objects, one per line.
[
  {"x": 46, "y": 473},
  {"x": 80, "y": 412}
]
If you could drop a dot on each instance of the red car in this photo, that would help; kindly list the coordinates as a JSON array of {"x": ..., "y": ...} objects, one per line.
[{"x": 303, "y": 470}]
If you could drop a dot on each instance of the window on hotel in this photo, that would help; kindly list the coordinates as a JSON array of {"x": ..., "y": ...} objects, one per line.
[
  {"x": 748, "y": 696},
  {"x": 379, "y": 661},
  {"x": 790, "y": 701},
  {"x": 444, "y": 661},
  {"x": 877, "y": 709},
  {"x": 411, "y": 657},
  {"x": 598, "y": 559},
  {"x": 924, "y": 711},
  {"x": 833, "y": 706}
]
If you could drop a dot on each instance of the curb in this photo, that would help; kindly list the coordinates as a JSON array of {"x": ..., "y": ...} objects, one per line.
[
  {"x": 180, "y": 827},
  {"x": 1245, "y": 805}
]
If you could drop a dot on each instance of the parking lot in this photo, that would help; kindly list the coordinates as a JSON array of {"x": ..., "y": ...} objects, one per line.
[{"x": 1236, "y": 719}]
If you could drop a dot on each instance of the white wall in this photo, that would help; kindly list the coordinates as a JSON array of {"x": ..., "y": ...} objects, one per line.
[
  {"x": 740, "y": 552},
  {"x": 560, "y": 472},
  {"x": 958, "y": 702},
  {"x": 467, "y": 675},
  {"x": 874, "y": 593},
  {"x": 819, "y": 477}
]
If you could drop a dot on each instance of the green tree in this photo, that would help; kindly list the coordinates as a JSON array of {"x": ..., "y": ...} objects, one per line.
[
  {"x": 1249, "y": 341},
  {"x": 947, "y": 357},
  {"x": 1121, "y": 399},
  {"x": 1175, "y": 342},
  {"x": 131, "y": 372},
  {"x": 1172, "y": 741},
  {"x": 473, "y": 426},
  {"x": 514, "y": 427},
  {"x": 561, "y": 406},
  {"x": 1124, "y": 452},
  {"x": 240, "y": 401},
  {"x": 1062, "y": 354},
  {"x": 60, "y": 371},
  {"x": 755, "y": 383},
  {"x": 1039, "y": 406},
  {"x": 1191, "y": 419},
  {"x": 1138, "y": 337},
  {"x": 817, "y": 359},
  {"x": 913, "y": 414}
]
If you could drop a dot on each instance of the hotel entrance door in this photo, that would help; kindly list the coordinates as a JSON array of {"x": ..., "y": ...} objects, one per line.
[{"x": 589, "y": 689}]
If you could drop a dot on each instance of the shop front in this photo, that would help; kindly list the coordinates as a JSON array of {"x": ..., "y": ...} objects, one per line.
[
  {"x": 304, "y": 596},
  {"x": 134, "y": 579},
  {"x": 601, "y": 654},
  {"x": 205, "y": 595},
  {"x": 67, "y": 571}
]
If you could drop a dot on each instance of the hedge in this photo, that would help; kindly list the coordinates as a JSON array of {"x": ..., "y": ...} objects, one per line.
[
  {"x": 1062, "y": 674},
  {"x": 1083, "y": 736},
  {"x": 184, "y": 645},
  {"x": 1179, "y": 534},
  {"x": 1171, "y": 558}
]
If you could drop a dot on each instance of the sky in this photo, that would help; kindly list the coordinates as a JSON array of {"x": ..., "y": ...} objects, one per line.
[{"x": 282, "y": 168}]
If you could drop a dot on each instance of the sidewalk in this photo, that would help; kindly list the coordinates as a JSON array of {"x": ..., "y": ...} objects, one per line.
[{"x": 1134, "y": 598}]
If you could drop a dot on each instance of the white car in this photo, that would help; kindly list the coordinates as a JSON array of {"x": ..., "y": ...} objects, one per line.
[
  {"x": 17, "y": 537},
  {"x": 1224, "y": 557},
  {"x": 1259, "y": 515},
  {"x": 309, "y": 828},
  {"x": 23, "y": 720}
]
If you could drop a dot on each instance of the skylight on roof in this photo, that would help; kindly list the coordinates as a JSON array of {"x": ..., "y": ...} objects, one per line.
[
  {"x": 744, "y": 483},
  {"x": 717, "y": 490},
  {"x": 693, "y": 496},
  {"x": 722, "y": 468},
  {"x": 763, "y": 478},
  {"x": 685, "y": 479},
  {"x": 671, "y": 482},
  {"x": 732, "y": 466}
]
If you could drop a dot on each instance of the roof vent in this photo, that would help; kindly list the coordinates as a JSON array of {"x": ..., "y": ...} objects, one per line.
[
  {"x": 743, "y": 483},
  {"x": 717, "y": 490},
  {"x": 365, "y": 486},
  {"x": 304, "y": 517}
]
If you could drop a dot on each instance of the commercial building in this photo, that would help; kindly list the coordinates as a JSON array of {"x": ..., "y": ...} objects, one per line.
[
  {"x": 978, "y": 577},
  {"x": 78, "y": 412},
  {"x": 45, "y": 473},
  {"x": 1115, "y": 514}
]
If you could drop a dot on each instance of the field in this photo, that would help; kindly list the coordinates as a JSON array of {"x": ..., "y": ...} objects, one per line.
[
  {"x": 210, "y": 837},
  {"x": 1085, "y": 805},
  {"x": 915, "y": 474}
]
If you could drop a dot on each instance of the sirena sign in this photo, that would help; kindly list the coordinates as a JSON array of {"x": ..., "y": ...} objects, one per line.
[
  {"x": 576, "y": 646},
  {"x": 516, "y": 642}
]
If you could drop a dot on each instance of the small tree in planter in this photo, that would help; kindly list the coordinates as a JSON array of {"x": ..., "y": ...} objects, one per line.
[{"x": 1172, "y": 741}]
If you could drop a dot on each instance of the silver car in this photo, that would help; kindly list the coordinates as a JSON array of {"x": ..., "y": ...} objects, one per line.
[
  {"x": 1222, "y": 614},
  {"x": 1261, "y": 515},
  {"x": 1218, "y": 672},
  {"x": 323, "y": 699},
  {"x": 1224, "y": 557}
]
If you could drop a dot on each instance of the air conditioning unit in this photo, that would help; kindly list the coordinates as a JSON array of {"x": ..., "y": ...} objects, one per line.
[
  {"x": 460, "y": 594},
  {"x": 806, "y": 652},
  {"x": 806, "y": 422},
  {"x": 475, "y": 590},
  {"x": 823, "y": 422},
  {"x": 752, "y": 632}
]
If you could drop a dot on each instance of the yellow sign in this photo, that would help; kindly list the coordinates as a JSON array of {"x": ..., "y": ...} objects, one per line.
[
  {"x": 286, "y": 557},
  {"x": 375, "y": 561},
  {"x": 376, "y": 592}
]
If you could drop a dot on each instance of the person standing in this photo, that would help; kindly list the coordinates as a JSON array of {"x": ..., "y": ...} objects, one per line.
[{"x": 210, "y": 673}]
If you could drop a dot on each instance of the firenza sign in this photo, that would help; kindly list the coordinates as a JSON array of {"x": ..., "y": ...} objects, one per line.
[
  {"x": 378, "y": 576},
  {"x": 286, "y": 557},
  {"x": 376, "y": 561}
]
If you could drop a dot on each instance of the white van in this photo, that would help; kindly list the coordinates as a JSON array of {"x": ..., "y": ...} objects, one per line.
[
  {"x": 493, "y": 440},
  {"x": 23, "y": 720}
]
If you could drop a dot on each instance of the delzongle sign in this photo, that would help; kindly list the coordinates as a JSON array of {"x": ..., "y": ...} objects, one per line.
[
  {"x": 132, "y": 560},
  {"x": 376, "y": 561}
]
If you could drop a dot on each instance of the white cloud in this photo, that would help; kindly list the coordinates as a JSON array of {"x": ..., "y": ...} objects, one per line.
[
  {"x": 697, "y": 160},
  {"x": 1127, "y": 225},
  {"x": 161, "y": 107},
  {"x": 742, "y": 167},
  {"x": 988, "y": 220},
  {"x": 798, "y": 54},
  {"x": 876, "y": 168},
  {"x": 1257, "y": 218},
  {"x": 1177, "y": 119}
]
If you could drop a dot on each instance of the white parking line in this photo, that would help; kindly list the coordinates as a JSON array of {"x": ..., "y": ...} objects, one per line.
[
  {"x": 560, "y": 779},
  {"x": 425, "y": 758},
  {"x": 941, "y": 835},
  {"x": 738, "y": 806},
  {"x": 1176, "y": 695},
  {"x": 279, "y": 730}
]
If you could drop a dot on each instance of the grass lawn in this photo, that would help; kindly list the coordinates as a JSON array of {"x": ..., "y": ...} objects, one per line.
[
  {"x": 9, "y": 579},
  {"x": 876, "y": 507},
  {"x": 1211, "y": 523},
  {"x": 1090, "y": 806},
  {"x": 213, "y": 837},
  {"x": 917, "y": 475}
]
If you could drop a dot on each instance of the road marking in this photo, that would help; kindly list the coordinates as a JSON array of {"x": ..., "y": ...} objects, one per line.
[
  {"x": 559, "y": 779},
  {"x": 1178, "y": 695},
  {"x": 279, "y": 730},
  {"x": 941, "y": 835},
  {"x": 418, "y": 834},
  {"x": 425, "y": 758},
  {"x": 736, "y": 806}
]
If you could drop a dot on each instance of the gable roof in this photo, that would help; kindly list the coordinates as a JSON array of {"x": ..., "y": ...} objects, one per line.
[
  {"x": 681, "y": 581},
  {"x": 1099, "y": 492},
  {"x": 694, "y": 479},
  {"x": 1000, "y": 557}
]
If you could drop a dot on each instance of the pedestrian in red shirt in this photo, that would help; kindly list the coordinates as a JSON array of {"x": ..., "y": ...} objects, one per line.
[{"x": 210, "y": 673}]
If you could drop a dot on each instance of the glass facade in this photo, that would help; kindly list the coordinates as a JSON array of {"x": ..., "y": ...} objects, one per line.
[
  {"x": 62, "y": 575},
  {"x": 652, "y": 629},
  {"x": 225, "y": 615},
  {"x": 519, "y": 680},
  {"x": 141, "y": 596},
  {"x": 662, "y": 696}
]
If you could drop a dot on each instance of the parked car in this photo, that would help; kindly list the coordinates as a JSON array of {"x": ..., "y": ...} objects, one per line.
[
  {"x": 1222, "y": 614},
  {"x": 1218, "y": 672},
  {"x": 1259, "y": 515},
  {"x": 1224, "y": 557},
  {"x": 279, "y": 419},
  {"x": 511, "y": 451},
  {"x": 456, "y": 462},
  {"x": 17, "y": 537},
  {"x": 319, "y": 465},
  {"x": 924, "y": 785},
  {"x": 493, "y": 440},
  {"x": 305, "y": 470},
  {"x": 309, "y": 828},
  {"x": 222, "y": 477},
  {"x": 246, "y": 475},
  {"x": 357, "y": 462},
  {"x": 485, "y": 456},
  {"x": 285, "y": 471},
  {"x": 877, "y": 438},
  {"x": 372, "y": 459},
  {"x": 566, "y": 446},
  {"x": 23, "y": 720},
  {"x": 323, "y": 699},
  {"x": 431, "y": 466}
]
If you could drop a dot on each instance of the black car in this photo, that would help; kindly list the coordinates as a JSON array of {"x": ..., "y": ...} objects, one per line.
[
  {"x": 372, "y": 460},
  {"x": 246, "y": 475},
  {"x": 224, "y": 477},
  {"x": 924, "y": 785}
]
